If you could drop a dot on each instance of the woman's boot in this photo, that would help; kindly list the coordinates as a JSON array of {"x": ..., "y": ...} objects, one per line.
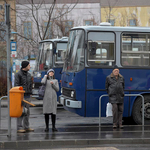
[
  {"x": 53, "y": 118},
  {"x": 47, "y": 122}
]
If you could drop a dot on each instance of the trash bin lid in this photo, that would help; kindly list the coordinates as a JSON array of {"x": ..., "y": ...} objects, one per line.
[{"x": 18, "y": 89}]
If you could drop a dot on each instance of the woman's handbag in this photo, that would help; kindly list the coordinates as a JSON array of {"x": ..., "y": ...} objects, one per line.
[{"x": 41, "y": 91}]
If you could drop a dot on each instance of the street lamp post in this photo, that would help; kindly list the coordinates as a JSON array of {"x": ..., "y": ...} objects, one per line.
[{"x": 7, "y": 20}]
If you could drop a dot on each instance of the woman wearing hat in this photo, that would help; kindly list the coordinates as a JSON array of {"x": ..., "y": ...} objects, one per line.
[{"x": 50, "y": 99}]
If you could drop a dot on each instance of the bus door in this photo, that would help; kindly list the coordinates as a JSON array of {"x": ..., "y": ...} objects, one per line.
[
  {"x": 100, "y": 59},
  {"x": 59, "y": 58}
]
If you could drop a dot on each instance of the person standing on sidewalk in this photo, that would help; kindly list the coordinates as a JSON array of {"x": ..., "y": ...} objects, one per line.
[
  {"x": 115, "y": 88},
  {"x": 50, "y": 99},
  {"x": 23, "y": 78}
]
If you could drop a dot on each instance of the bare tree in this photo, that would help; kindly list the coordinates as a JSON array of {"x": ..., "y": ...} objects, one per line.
[
  {"x": 127, "y": 16},
  {"x": 41, "y": 27},
  {"x": 62, "y": 22},
  {"x": 110, "y": 10},
  {"x": 133, "y": 16}
]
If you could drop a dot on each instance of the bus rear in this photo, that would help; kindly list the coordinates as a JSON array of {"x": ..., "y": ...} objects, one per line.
[{"x": 90, "y": 57}]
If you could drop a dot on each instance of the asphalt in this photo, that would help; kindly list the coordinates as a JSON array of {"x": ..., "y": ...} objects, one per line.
[{"x": 73, "y": 130}]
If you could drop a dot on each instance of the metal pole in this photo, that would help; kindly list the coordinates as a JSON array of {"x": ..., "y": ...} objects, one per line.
[
  {"x": 7, "y": 19},
  {"x": 124, "y": 95},
  {"x": 142, "y": 110}
]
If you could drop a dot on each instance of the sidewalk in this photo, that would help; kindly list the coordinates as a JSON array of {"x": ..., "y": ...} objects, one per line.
[{"x": 73, "y": 130}]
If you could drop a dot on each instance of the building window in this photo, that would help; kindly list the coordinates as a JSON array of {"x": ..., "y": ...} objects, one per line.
[
  {"x": 88, "y": 22},
  {"x": 132, "y": 22},
  {"x": 68, "y": 26},
  {"x": 111, "y": 21},
  {"x": 149, "y": 22},
  {"x": 27, "y": 30},
  {"x": 49, "y": 30},
  {"x": 2, "y": 31}
]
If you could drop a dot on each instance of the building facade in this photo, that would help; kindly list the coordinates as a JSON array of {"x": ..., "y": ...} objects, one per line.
[
  {"x": 43, "y": 20},
  {"x": 56, "y": 20},
  {"x": 126, "y": 13}
]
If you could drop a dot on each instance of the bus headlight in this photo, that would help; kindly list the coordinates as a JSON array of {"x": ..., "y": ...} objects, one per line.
[{"x": 72, "y": 93}]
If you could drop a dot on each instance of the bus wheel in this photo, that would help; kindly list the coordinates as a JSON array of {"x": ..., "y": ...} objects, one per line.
[{"x": 137, "y": 110}]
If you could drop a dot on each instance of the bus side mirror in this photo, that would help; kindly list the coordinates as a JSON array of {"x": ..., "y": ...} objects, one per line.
[
  {"x": 93, "y": 47},
  {"x": 59, "y": 53},
  {"x": 54, "y": 48},
  {"x": 45, "y": 67}
]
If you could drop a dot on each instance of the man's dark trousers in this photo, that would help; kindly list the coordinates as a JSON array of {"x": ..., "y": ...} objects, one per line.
[{"x": 117, "y": 109}]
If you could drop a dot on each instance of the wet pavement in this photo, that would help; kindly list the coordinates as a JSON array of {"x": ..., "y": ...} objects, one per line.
[{"x": 73, "y": 130}]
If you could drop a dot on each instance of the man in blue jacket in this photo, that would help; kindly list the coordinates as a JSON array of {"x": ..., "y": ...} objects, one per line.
[
  {"x": 23, "y": 78},
  {"x": 115, "y": 88}
]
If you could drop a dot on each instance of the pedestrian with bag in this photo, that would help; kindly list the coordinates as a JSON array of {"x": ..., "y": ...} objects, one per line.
[
  {"x": 23, "y": 78},
  {"x": 50, "y": 99},
  {"x": 115, "y": 88}
]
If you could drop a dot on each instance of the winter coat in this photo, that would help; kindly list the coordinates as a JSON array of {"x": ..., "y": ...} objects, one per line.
[
  {"x": 115, "y": 88},
  {"x": 50, "y": 96},
  {"x": 23, "y": 78}
]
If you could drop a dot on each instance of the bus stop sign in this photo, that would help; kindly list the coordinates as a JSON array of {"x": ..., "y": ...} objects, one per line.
[{"x": 13, "y": 48}]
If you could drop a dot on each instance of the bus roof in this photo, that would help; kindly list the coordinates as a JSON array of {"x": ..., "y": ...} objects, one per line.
[
  {"x": 113, "y": 28},
  {"x": 63, "y": 39}
]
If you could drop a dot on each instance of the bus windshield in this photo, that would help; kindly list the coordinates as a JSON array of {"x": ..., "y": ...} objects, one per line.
[
  {"x": 38, "y": 58},
  {"x": 60, "y": 54},
  {"x": 74, "y": 60},
  {"x": 46, "y": 56}
]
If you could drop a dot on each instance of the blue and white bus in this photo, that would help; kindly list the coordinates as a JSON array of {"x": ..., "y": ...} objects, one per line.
[
  {"x": 51, "y": 55},
  {"x": 91, "y": 54}
]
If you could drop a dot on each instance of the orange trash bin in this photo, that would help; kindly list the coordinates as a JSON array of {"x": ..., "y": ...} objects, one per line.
[{"x": 16, "y": 96}]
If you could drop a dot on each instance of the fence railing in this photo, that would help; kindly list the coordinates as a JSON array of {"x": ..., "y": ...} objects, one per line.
[
  {"x": 124, "y": 95},
  {"x": 0, "y": 108}
]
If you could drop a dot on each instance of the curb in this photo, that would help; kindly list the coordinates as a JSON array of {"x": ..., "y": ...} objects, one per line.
[{"x": 76, "y": 142}]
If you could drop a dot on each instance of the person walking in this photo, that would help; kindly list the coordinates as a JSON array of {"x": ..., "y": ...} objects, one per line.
[
  {"x": 23, "y": 78},
  {"x": 50, "y": 99},
  {"x": 115, "y": 88}
]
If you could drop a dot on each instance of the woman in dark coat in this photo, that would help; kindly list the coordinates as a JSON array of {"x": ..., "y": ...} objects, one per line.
[
  {"x": 115, "y": 88},
  {"x": 50, "y": 99}
]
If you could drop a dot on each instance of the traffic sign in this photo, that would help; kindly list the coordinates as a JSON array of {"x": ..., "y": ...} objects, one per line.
[
  {"x": 13, "y": 46},
  {"x": 13, "y": 54}
]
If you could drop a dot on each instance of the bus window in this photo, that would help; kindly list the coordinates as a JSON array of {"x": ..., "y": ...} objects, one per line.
[
  {"x": 46, "y": 56},
  {"x": 135, "y": 49},
  {"x": 38, "y": 58},
  {"x": 101, "y": 48},
  {"x": 60, "y": 54},
  {"x": 101, "y": 53}
]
